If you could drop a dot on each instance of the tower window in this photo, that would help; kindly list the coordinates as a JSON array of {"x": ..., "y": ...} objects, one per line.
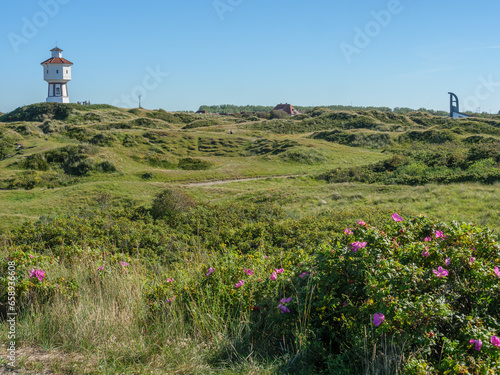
[
  {"x": 66, "y": 71},
  {"x": 57, "y": 71}
]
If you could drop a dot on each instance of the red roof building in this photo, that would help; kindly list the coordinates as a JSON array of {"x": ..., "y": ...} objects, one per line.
[{"x": 288, "y": 108}]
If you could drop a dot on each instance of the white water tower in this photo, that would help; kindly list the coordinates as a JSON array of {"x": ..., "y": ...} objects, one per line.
[{"x": 57, "y": 72}]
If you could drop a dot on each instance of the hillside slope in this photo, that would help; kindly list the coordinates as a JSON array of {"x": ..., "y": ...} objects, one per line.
[{"x": 78, "y": 152}]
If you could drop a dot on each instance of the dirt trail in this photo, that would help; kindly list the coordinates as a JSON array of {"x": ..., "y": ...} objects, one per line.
[{"x": 221, "y": 182}]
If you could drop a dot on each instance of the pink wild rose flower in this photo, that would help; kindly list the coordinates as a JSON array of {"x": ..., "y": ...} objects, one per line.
[
  {"x": 40, "y": 275},
  {"x": 210, "y": 271},
  {"x": 426, "y": 254},
  {"x": 441, "y": 272},
  {"x": 361, "y": 222},
  {"x": 497, "y": 271},
  {"x": 279, "y": 270},
  {"x": 101, "y": 268},
  {"x": 355, "y": 246},
  {"x": 495, "y": 341},
  {"x": 378, "y": 318},
  {"x": 124, "y": 264},
  {"x": 273, "y": 276},
  {"x": 286, "y": 300},
  {"x": 249, "y": 272},
  {"x": 396, "y": 217},
  {"x": 477, "y": 343},
  {"x": 303, "y": 274},
  {"x": 439, "y": 234},
  {"x": 284, "y": 309},
  {"x": 448, "y": 261},
  {"x": 239, "y": 284},
  {"x": 170, "y": 300},
  {"x": 427, "y": 239},
  {"x": 348, "y": 231}
]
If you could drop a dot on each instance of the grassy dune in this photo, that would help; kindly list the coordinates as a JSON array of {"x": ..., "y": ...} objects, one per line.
[{"x": 80, "y": 189}]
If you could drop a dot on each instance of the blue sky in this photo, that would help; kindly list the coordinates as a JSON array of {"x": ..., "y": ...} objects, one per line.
[{"x": 182, "y": 54}]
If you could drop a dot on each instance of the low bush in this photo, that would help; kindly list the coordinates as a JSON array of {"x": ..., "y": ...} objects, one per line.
[
  {"x": 172, "y": 118},
  {"x": 103, "y": 139},
  {"x": 35, "y": 162},
  {"x": 105, "y": 166},
  {"x": 36, "y": 179},
  {"x": 485, "y": 151},
  {"x": 410, "y": 295},
  {"x": 202, "y": 123},
  {"x": 170, "y": 203},
  {"x": 268, "y": 147},
  {"x": 303, "y": 155},
  {"x": 428, "y": 136},
  {"x": 193, "y": 164},
  {"x": 39, "y": 112},
  {"x": 355, "y": 139}
]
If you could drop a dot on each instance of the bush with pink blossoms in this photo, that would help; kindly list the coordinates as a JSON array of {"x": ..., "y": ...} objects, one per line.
[{"x": 430, "y": 296}]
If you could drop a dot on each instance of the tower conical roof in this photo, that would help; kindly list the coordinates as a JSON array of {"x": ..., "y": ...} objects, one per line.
[{"x": 57, "y": 60}]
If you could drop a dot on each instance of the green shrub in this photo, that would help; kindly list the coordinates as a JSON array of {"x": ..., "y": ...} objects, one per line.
[
  {"x": 429, "y": 136},
  {"x": 39, "y": 112},
  {"x": 193, "y": 164},
  {"x": 322, "y": 299},
  {"x": 267, "y": 147},
  {"x": 105, "y": 166},
  {"x": 29, "y": 290},
  {"x": 6, "y": 148},
  {"x": 77, "y": 132},
  {"x": 131, "y": 140},
  {"x": 172, "y": 118},
  {"x": 92, "y": 117},
  {"x": 74, "y": 160},
  {"x": 485, "y": 151},
  {"x": 34, "y": 179},
  {"x": 103, "y": 139},
  {"x": 355, "y": 139},
  {"x": 160, "y": 162},
  {"x": 82, "y": 107},
  {"x": 30, "y": 130},
  {"x": 278, "y": 115},
  {"x": 479, "y": 139},
  {"x": 303, "y": 155},
  {"x": 35, "y": 162},
  {"x": 202, "y": 123},
  {"x": 135, "y": 111},
  {"x": 483, "y": 165},
  {"x": 148, "y": 123},
  {"x": 170, "y": 203}
]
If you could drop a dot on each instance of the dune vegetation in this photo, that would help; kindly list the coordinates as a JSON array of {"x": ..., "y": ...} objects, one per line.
[{"x": 338, "y": 241}]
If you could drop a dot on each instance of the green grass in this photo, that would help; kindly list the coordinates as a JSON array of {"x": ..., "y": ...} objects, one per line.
[{"x": 469, "y": 202}]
